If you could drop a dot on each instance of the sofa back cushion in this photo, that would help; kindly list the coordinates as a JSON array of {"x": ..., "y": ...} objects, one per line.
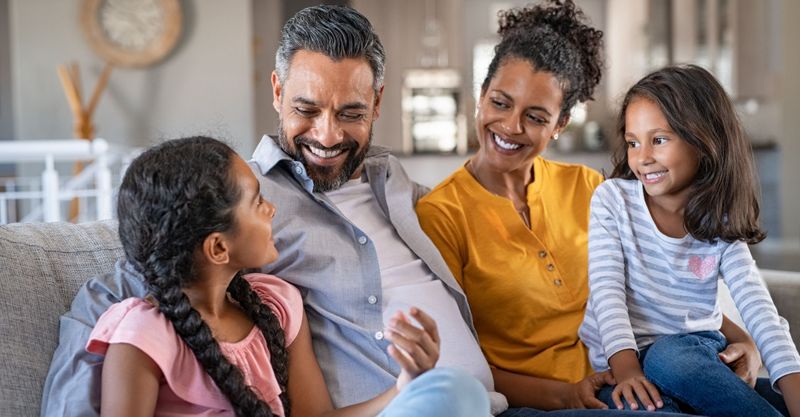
[{"x": 42, "y": 265}]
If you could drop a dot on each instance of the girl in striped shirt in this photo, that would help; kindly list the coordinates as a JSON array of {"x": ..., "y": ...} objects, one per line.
[{"x": 676, "y": 217}]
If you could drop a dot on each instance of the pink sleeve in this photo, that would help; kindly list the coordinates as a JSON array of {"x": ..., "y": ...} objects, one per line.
[
  {"x": 283, "y": 299},
  {"x": 136, "y": 322}
]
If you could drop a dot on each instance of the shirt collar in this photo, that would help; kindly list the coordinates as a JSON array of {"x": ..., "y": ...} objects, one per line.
[{"x": 268, "y": 154}]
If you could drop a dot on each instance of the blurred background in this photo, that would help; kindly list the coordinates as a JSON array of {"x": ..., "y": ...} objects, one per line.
[{"x": 186, "y": 67}]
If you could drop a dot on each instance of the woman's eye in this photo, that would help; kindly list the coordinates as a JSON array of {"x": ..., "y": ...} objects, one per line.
[
  {"x": 537, "y": 119},
  {"x": 660, "y": 140},
  {"x": 633, "y": 144},
  {"x": 499, "y": 104}
]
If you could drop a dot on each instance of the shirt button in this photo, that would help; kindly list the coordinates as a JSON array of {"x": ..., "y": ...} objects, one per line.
[
  {"x": 298, "y": 169},
  {"x": 542, "y": 254},
  {"x": 378, "y": 335},
  {"x": 551, "y": 267},
  {"x": 362, "y": 240},
  {"x": 557, "y": 282},
  {"x": 372, "y": 299}
]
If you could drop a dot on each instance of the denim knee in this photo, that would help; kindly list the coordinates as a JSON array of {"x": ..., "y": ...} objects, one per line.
[
  {"x": 460, "y": 392},
  {"x": 677, "y": 361}
]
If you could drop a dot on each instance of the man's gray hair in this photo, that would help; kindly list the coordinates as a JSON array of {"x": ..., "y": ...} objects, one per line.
[{"x": 339, "y": 32}]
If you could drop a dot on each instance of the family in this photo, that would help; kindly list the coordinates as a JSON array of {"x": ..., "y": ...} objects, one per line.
[{"x": 318, "y": 279}]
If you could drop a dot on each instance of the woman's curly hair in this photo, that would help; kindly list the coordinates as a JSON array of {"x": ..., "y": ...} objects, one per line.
[
  {"x": 552, "y": 37},
  {"x": 173, "y": 196}
]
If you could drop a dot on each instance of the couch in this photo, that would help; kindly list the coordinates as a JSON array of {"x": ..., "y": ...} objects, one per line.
[{"x": 42, "y": 265}]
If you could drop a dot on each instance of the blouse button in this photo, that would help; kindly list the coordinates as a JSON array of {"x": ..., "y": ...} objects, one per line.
[
  {"x": 551, "y": 267},
  {"x": 557, "y": 282},
  {"x": 372, "y": 299},
  {"x": 542, "y": 254},
  {"x": 362, "y": 240},
  {"x": 378, "y": 335}
]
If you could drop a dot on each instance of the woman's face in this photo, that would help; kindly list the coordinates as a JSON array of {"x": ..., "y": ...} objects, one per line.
[{"x": 517, "y": 115}]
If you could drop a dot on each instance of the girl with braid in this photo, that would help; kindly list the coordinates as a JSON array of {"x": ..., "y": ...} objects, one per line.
[{"x": 209, "y": 340}]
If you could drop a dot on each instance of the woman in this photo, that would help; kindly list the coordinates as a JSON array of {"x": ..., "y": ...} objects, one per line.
[{"x": 512, "y": 226}]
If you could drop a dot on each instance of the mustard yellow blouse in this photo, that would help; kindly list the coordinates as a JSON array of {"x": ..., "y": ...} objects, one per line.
[{"x": 527, "y": 288}]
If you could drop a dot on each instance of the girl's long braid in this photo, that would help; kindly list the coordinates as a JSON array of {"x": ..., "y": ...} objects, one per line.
[
  {"x": 268, "y": 323},
  {"x": 191, "y": 327},
  {"x": 172, "y": 197}
]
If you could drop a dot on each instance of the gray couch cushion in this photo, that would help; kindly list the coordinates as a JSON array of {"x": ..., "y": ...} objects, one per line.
[{"x": 41, "y": 268}]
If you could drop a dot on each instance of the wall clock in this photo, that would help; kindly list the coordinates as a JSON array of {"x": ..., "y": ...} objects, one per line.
[{"x": 131, "y": 33}]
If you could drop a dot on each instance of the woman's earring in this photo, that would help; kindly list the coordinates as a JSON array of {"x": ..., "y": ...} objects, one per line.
[{"x": 555, "y": 136}]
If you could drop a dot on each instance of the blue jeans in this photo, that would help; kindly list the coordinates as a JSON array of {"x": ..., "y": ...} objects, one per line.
[
  {"x": 440, "y": 392},
  {"x": 691, "y": 378},
  {"x": 530, "y": 412}
]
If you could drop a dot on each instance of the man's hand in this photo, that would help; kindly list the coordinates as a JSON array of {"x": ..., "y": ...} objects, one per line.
[
  {"x": 585, "y": 391},
  {"x": 415, "y": 349},
  {"x": 744, "y": 359}
]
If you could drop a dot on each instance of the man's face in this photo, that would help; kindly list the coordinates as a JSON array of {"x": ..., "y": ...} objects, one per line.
[{"x": 326, "y": 110}]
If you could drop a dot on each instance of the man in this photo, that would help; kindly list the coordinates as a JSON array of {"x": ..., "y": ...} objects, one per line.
[{"x": 356, "y": 256}]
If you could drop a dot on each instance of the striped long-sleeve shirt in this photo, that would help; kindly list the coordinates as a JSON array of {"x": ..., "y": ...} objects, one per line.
[{"x": 644, "y": 284}]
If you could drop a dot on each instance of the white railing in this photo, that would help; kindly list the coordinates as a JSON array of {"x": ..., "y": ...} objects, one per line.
[{"x": 93, "y": 182}]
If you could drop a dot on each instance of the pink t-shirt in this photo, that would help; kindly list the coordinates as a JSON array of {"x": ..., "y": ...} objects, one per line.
[{"x": 187, "y": 389}]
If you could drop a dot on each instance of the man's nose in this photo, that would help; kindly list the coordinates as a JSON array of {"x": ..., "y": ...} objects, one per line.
[{"x": 328, "y": 131}]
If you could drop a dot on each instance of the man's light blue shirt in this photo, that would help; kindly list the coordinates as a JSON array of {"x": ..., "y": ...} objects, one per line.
[{"x": 335, "y": 265}]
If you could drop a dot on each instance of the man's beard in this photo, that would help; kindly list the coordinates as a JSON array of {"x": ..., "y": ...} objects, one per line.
[{"x": 325, "y": 178}]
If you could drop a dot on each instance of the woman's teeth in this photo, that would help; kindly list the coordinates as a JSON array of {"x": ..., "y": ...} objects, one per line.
[{"x": 505, "y": 145}]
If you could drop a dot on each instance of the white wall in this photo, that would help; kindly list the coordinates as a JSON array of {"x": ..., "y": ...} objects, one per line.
[
  {"x": 789, "y": 140},
  {"x": 204, "y": 86},
  {"x": 6, "y": 116},
  {"x": 400, "y": 26}
]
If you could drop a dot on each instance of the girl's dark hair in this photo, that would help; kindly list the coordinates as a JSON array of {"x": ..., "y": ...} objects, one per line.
[
  {"x": 552, "y": 38},
  {"x": 724, "y": 200},
  {"x": 173, "y": 196}
]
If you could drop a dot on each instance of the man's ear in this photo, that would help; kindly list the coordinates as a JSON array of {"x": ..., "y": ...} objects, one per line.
[
  {"x": 377, "y": 111},
  {"x": 276, "y": 92},
  {"x": 215, "y": 249}
]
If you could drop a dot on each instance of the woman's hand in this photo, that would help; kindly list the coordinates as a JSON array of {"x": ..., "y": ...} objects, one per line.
[
  {"x": 585, "y": 391},
  {"x": 415, "y": 349}
]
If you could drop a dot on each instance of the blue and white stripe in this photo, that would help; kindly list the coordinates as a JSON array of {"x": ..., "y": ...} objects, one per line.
[{"x": 644, "y": 284}]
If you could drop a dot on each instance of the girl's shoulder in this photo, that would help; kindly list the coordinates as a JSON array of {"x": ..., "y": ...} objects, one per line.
[
  {"x": 139, "y": 323},
  {"x": 283, "y": 298},
  {"x": 618, "y": 190}
]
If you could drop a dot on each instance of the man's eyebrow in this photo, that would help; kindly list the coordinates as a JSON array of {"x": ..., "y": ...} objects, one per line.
[
  {"x": 355, "y": 105},
  {"x": 303, "y": 100}
]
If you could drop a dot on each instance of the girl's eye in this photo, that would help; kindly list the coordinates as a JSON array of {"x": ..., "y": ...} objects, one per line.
[
  {"x": 633, "y": 144},
  {"x": 660, "y": 140}
]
